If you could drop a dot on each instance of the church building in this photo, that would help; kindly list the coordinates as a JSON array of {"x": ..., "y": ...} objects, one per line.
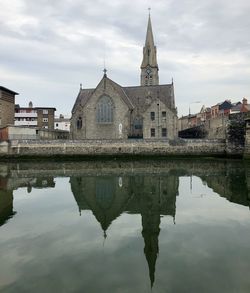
[{"x": 111, "y": 111}]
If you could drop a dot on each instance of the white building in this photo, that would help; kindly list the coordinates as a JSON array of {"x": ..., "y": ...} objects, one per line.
[
  {"x": 25, "y": 116},
  {"x": 41, "y": 117},
  {"x": 62, "y": 123}
]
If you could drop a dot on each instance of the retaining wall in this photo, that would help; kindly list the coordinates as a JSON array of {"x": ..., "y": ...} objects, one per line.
[{"x": 182, "y": 147}]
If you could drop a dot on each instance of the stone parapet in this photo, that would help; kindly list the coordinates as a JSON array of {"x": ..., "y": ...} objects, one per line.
[{"x": 181, "y": 147}]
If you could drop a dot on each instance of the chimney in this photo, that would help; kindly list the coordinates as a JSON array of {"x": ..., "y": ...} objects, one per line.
[{"x": 244, "y": 101}]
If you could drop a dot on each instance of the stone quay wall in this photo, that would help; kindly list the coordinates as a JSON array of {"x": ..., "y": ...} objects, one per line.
[{"x": 180, "y": 147}]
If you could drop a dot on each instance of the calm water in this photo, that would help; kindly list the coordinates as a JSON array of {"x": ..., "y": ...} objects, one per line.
[{"x": 174, "y": 226}]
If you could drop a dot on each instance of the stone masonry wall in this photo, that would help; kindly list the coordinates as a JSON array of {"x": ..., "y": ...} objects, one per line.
[
  {"x": 113, "y": 148},
  {"x": 169, "y": 122},
  {"x": 90, "y": 128},
  {"x": 7, "y": 111}
]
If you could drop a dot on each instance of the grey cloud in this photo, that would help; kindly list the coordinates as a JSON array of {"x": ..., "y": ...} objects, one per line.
[{"x": 67, "y": 40}]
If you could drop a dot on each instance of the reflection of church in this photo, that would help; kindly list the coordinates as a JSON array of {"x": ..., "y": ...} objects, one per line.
[
  {"x": 150, "y": 192},
  {"x": 108, "y": 197}
]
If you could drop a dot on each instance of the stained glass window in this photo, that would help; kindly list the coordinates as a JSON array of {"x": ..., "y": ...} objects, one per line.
[{"x": 104, "y": 110}]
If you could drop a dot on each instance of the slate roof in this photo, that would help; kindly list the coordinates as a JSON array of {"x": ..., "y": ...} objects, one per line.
[
  {"x": 122, "y": 93},
  {"x": 2, "y": 88},
  {"x": 82, "y": 98},
  {"x": 139, "y": 94},
  {"x": 134, "y": 96}
]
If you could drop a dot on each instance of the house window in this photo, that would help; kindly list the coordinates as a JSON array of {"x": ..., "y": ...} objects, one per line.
[
  {"x": 152, "y": 132},
  {"x": 152, "y": 116},
  {"x": 104, "y": 110},
  {"x": 164, "y": 132},
  {"x": 79, "y": 123},
  {"x": 163, "y": 114},
  {"x": 45, "y": 111}
]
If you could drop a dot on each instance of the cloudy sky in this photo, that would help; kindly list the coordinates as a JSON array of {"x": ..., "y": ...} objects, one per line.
[{"x": 49, "y": 47}]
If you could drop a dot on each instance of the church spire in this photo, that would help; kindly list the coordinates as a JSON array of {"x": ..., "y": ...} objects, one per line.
[
  {"x": 149, "y": 36},
  {"x": 149, "y": 66}
]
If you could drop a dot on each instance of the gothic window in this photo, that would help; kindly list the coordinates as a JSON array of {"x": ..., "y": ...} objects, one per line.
[
  {"x": 79, "y": 123},
  {"x": 104, "y": 110}
]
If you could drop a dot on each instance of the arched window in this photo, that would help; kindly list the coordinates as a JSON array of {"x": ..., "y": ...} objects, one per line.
[
  {"x": 79, "y": 123},
  {"x": 104, "y": 110}
]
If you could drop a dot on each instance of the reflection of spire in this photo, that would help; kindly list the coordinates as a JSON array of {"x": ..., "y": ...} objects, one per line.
[
  {"x": 104, "y": 237},
  {"x": 150, "y": 233},
  {"x": 105, "y": 223}
]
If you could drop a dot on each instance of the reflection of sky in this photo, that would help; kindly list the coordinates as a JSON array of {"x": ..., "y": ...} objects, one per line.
[
  {"x": 199, "y": 203},
  {"x": 48, "y": 247}
]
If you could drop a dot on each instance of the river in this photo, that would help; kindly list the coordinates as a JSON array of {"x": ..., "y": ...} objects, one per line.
[{"x": 125, "y": 226}]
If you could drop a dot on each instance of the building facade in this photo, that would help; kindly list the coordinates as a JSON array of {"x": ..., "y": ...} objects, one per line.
[
  {"x": 221, "y": 109},
  {"x": 111, "y": 111},
  {"x": 62, "y": 123},
  {"x": 41, "y": 117},
  {"x": 7, "y": 106}
]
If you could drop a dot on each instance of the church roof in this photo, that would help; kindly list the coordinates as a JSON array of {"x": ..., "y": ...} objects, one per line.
[
  {"x": 122, "y": 93},
  {"x": 142, "y": 96},
  {"x": 82, "y": 98},
  {"x": 134, "y": 96}
]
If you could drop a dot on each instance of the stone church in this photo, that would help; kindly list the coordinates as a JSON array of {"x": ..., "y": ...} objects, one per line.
[{"x": 111, "y": 111}]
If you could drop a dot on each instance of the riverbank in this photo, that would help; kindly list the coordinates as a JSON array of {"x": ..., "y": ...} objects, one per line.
[{"x": 118, "y": 148}]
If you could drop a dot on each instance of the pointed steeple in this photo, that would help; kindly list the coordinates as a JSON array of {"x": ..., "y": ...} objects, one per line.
[
  {"x": 149, "y": 66},
  {"x": 149, "y": 36}
]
